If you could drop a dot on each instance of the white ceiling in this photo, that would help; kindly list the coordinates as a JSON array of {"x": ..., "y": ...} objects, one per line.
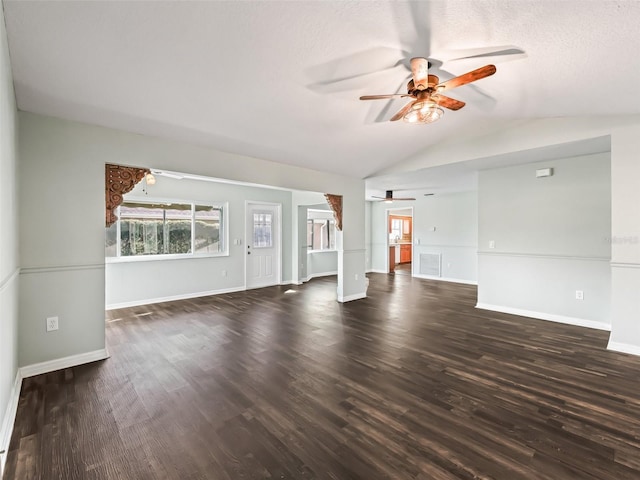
[{"x": 255, "y": 77}]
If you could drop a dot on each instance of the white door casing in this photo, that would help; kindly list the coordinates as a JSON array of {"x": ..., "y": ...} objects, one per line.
[{"x": 263, "y": 252}]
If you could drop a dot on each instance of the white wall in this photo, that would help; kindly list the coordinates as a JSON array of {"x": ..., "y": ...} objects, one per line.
[
  {"x": 140, "y": 282},
  {"x": 62, "y": 221},
  {"x": 367, "y": 234},
  {"x": 625, "y": 247},
  {"x": 551, "y": 239},
  {"x": 454, "y": 216},
  {"x": 448, "y": 224},
  {"x": 9, "y": 266}
]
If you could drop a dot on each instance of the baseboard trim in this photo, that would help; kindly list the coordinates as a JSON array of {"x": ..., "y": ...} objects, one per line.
[
  {"x": 173, "y": 298},
  {"x": 623, "y": 348},
  {"x": 375, "y": 270},
  {"x": 8, "y": 420},
  {"x": 445, "y": 279},
  {"x": 64, "y": 362},
  {"x": 579, "y": 322},
  {"x": 321, "y": 274},
  {"x": 350, "y": 298}
]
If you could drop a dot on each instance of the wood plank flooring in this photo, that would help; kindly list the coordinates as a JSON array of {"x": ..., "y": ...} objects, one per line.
[{"x": 410, "y": 383}]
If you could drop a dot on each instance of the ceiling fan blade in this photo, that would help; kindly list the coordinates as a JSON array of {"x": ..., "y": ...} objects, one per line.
[
  {"x": 468, "y": 77},
  {"x": 420, "y": 71},
  {"x": 402, "y": 112},
  {"x": 356, "y": 64},
  {"x": 382, "y": 97},
  {"x": 448, "y": 102},
  {"x": 356, "y": 82},
  {"x": 481, "y": 52}
]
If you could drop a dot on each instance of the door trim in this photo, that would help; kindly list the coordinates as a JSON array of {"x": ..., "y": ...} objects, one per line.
[
  {"x": 246, "y": 237},
  {"x": 389, "y": 211}
]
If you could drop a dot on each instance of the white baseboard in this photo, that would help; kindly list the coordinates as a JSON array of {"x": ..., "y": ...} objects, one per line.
[
  {"x": 8, "y": 420},
  {"x": 64, "y": 362},
  {"x": 349, "y": 298},
  {"x": 321, "y": 274},
  {"x": 624, "y": 348},
  {"x": 445, "y": 279},
  {"x": 580, "y": 322},
  {"x": 172, "y": 298}
]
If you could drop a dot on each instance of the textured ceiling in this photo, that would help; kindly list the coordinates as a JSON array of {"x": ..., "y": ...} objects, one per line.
[{"x": 257, "y": 78}]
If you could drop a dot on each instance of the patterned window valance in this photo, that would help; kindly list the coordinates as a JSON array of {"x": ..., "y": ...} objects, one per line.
[
  {"x": 118, "y": 181},
  {"x": 335, "y": 202}
]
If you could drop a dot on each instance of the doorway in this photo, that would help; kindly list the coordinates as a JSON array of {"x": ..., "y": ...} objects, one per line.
[
  {"x": 264, "y": 248},
  {"x": 399, "y": 236}
]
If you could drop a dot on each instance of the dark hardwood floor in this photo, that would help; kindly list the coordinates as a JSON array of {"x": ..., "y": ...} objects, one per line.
[{"x": 410, "y": 383}]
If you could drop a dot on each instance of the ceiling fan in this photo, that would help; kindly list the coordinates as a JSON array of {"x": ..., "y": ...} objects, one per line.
[
  {"x": 388, "y": 197},
  {"x": 425, "y": 89}
]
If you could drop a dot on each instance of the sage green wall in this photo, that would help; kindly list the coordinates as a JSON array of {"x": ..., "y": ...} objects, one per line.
[
  {"x": 62, "y": 253},
  {"x": 141, "y": 282}
]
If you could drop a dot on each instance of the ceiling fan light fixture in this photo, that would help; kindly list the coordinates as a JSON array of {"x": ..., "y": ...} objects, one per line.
[
  {"x": 423, "y": 112},
  {"x": 150, "y": 179}
]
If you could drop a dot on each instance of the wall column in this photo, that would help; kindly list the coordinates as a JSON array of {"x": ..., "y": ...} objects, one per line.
[{"x": 625, "y": 240}]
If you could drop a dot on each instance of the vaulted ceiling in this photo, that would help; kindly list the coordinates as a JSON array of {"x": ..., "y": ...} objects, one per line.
[{"x": 281, "y": 80}]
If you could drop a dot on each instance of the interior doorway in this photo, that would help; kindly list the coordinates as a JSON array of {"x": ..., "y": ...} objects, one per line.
[{"x": 399, "y": 236}]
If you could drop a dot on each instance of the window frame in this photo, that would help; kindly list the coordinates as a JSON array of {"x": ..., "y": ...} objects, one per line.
[
  {"x": 224, "y": 225},
  {"x": 327, "y": 222}
]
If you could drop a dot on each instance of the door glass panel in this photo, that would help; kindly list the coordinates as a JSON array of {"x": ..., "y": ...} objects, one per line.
[{"x": 262, "y": 230}]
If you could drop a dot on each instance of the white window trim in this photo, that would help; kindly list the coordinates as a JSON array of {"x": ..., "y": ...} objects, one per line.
[
  {"x": 175, "y": 256},
  {"x": 326, "y": 215}
]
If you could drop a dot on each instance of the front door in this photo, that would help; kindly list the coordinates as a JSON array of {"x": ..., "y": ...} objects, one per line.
[{"x": 263, "y": 245}]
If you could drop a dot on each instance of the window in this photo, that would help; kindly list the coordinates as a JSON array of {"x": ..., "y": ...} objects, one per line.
[
  {"x": 262, "y": 229},
  {"x": 321, "y": 230},
  {"x": 147, "y": 229},
  {"x": 396, "y": 228}
]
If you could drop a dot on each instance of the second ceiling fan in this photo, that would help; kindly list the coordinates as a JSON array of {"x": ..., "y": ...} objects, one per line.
[
  {"x": 426, "y": 91},
  {"x": 389, "y": 198}
]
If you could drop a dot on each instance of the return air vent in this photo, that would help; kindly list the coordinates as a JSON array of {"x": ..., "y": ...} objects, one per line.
[{"x": 430, "y": 264}]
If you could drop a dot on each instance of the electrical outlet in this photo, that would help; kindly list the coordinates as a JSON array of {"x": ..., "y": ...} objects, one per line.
[
  {"x": 356, "y": 276},
  {"x": 224, "y": 273},
  {"x": 579, "y": 295},
  {"x": 492, "y": 244},
  {"x": 52, "y": 324}
]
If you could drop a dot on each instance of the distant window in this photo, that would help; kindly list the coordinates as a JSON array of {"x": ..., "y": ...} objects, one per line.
[
  {"x": 321, "y": 231},
  {"x": 145, "y": 229},
  {"x": 396, "y": 228}
]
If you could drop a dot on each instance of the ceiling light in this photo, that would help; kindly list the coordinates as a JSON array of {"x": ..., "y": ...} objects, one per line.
[
  {"x": 150, "y": 179},
  {"x": 423, "y": 112}
]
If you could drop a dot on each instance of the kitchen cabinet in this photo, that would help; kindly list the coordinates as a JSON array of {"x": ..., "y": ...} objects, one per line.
[
  {"x": 406, "y": 226},
  {"x": 405, "y": 253}
]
